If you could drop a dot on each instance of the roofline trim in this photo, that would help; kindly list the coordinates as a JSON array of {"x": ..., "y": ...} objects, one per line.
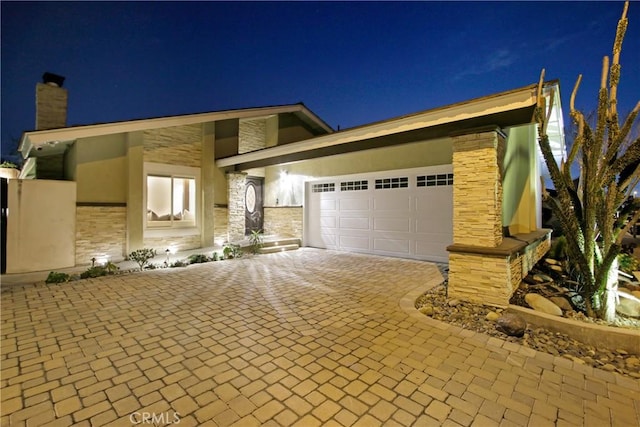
[
  {"x": 32, "y": 139},
  {"x": 500, "y": 102}
]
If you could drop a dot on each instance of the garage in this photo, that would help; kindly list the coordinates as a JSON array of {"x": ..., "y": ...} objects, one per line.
[{"x": 402, "y": 213}]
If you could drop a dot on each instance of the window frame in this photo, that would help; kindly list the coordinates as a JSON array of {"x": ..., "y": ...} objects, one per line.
[{"x": 157, "y": 228}]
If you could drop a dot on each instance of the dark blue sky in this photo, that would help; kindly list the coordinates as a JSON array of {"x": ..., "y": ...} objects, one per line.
[{"x": 351, "y": 63}]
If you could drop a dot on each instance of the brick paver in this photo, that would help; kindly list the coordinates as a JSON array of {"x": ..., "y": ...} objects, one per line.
[{"x": 304, "y": 338}]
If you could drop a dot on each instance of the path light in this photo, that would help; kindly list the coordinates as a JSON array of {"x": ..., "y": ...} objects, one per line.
[{"x": 167, "y": 252}]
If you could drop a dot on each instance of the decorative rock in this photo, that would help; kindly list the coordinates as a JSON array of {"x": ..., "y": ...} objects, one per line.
[
  {"x": 454, "y": 302},
  {"x": 562, "y": 302},
  {"x": 542, "y": 278},
  {"x": 511, "y": 324},
  {"x": 628, "y": 307},
  {"x": 492, "y": 316},
  {"x": 427, "y": 310},
  {"x": 608, "y": 367},
  {"x": 633, "y": 361},
  {"x": 556, "y": 268},
  {"x": 540, "y": 303},
  {"x": 552, "y": 261}
]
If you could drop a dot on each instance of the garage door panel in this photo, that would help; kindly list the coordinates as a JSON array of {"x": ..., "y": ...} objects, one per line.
[
  {"x": 391, "y": 202},
  {"x": 353, "y": 204},
  {"x": 358, "y": 243},
  {"x": 398, "y": 246},
  {"x": 409, "y": 222},
  {"x": 433, "y": 225},
  {"x": 392, "y": 224},
  {"x": 329, "y": 222},
  {"x": 436, "y": 250},
  {"x": 328, "y": 205},
  {"x": 354, "y": 223},
  {"x": 329, "y": 240}
]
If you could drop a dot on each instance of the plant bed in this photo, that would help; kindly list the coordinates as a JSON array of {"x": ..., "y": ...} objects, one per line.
[{"x": 436, "y": 305}]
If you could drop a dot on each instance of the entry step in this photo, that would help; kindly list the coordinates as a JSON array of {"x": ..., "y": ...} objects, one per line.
[{"x": 277, "y": 248}]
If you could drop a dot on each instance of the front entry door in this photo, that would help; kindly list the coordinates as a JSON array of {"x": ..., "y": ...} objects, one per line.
[{"x": 253, "y": 209}]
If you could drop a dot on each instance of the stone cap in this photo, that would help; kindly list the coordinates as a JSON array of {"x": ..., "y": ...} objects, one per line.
[{"x": 509, "y": 246}]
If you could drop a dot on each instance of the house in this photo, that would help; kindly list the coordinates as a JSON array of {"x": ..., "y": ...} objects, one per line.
[{"x": 457, "y": 184}]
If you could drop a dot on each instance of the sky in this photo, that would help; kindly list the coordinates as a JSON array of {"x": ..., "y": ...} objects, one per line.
[{"x": 351, "y": 63}]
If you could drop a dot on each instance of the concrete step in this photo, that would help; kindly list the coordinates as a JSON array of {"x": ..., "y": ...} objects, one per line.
[
  {"x": 274, "y": 241},
  {"x": 278, "y": 248}
]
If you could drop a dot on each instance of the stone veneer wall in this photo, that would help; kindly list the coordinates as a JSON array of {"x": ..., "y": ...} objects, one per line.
[
  {"x": 100, "y": 232},
  {"x": 283, "y": 221},
  {"x": 51, "y": 107},
  {"x": 492, "y": 279},
  {"x": 236, "y": 182},
  {"x": 178, "y": 145},
  {"x": 477, "y": 191},
  {"x": 479, "y": 278},
  {"x": 252, "y": 135},
  {"x": 179, "y": 243},
  {"x": 220, "y": 224}
]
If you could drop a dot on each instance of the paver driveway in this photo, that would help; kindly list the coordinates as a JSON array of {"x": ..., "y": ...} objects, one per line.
[{"x": 305, "y": 338}]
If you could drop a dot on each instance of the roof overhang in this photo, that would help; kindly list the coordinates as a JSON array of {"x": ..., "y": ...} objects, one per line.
[
  {"x": 505, "y": 109},
  {"x": 53, "y": 141}
]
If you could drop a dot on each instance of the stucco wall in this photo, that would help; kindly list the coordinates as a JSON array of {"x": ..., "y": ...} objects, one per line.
[
  {"x": 520, "y": 182},
  {"x": 100, "y": 233},
  {"x": 290, "y": 191},
  {"x": 41, "y": 225},
  {"x": 99, "y": 167}
]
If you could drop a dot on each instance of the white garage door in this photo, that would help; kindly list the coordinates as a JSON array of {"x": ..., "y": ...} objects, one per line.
[{"x": 404, "y": 213}]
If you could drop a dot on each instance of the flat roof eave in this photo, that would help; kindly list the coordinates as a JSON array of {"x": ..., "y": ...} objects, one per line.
[{"x": 504, "y": 109}]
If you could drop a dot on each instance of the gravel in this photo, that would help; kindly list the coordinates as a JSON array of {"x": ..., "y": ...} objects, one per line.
[{"x": 473, "y": 317}]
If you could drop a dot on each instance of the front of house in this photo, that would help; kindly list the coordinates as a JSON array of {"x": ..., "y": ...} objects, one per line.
[{"x": 450, "y": 185}]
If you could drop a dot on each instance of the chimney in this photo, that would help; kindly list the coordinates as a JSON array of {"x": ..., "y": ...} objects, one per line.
[{"x": 51, "y": 102}]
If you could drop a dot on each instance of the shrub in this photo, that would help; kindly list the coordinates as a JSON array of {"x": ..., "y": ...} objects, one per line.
[
  {"x": 95, "y": 271},
  {"x": 178, "y": 263},
  {"x": 255, "y": 241},
  {"x": 142, "y": 257},
  {"x": 558, "y": 248},
  {"x": 628, "y": 263},
  {"x": 198, "y": 258},
  {"x": 57, "y": 277},
  {"x": 232, "y": 250}
]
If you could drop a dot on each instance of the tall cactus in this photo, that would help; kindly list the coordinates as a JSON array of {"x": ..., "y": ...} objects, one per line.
[{"x": 593, "y": 212}]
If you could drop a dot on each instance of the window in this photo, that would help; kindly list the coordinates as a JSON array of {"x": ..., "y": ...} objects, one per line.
[
  {"x": 434, "y": 180},
  {"x": 354, "y": 185},
  {"x": 392, "y": 183},
  {"x": 171, "y": 196},
  {"x": 323, "y": 188}
]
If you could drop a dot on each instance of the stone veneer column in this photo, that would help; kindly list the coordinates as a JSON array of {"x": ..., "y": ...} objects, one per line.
[
  {"x": 478, "y": 270},
  {"x": 477, "y": 188},
  {"x": 235, "y": 193}
]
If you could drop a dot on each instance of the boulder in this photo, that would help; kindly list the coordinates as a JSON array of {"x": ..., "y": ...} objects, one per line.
[
  {"x": 540, "y": 303},
  {"x": 511, "y": 324},
  {"x": 562, "y": 302},
  {"x": 629, "y": 307}
]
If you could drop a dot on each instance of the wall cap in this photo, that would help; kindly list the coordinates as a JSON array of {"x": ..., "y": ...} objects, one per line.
[{"x": 509, "y": 246}]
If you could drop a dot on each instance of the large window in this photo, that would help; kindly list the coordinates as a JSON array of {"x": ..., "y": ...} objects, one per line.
[{"x": 171, "y": 199}]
